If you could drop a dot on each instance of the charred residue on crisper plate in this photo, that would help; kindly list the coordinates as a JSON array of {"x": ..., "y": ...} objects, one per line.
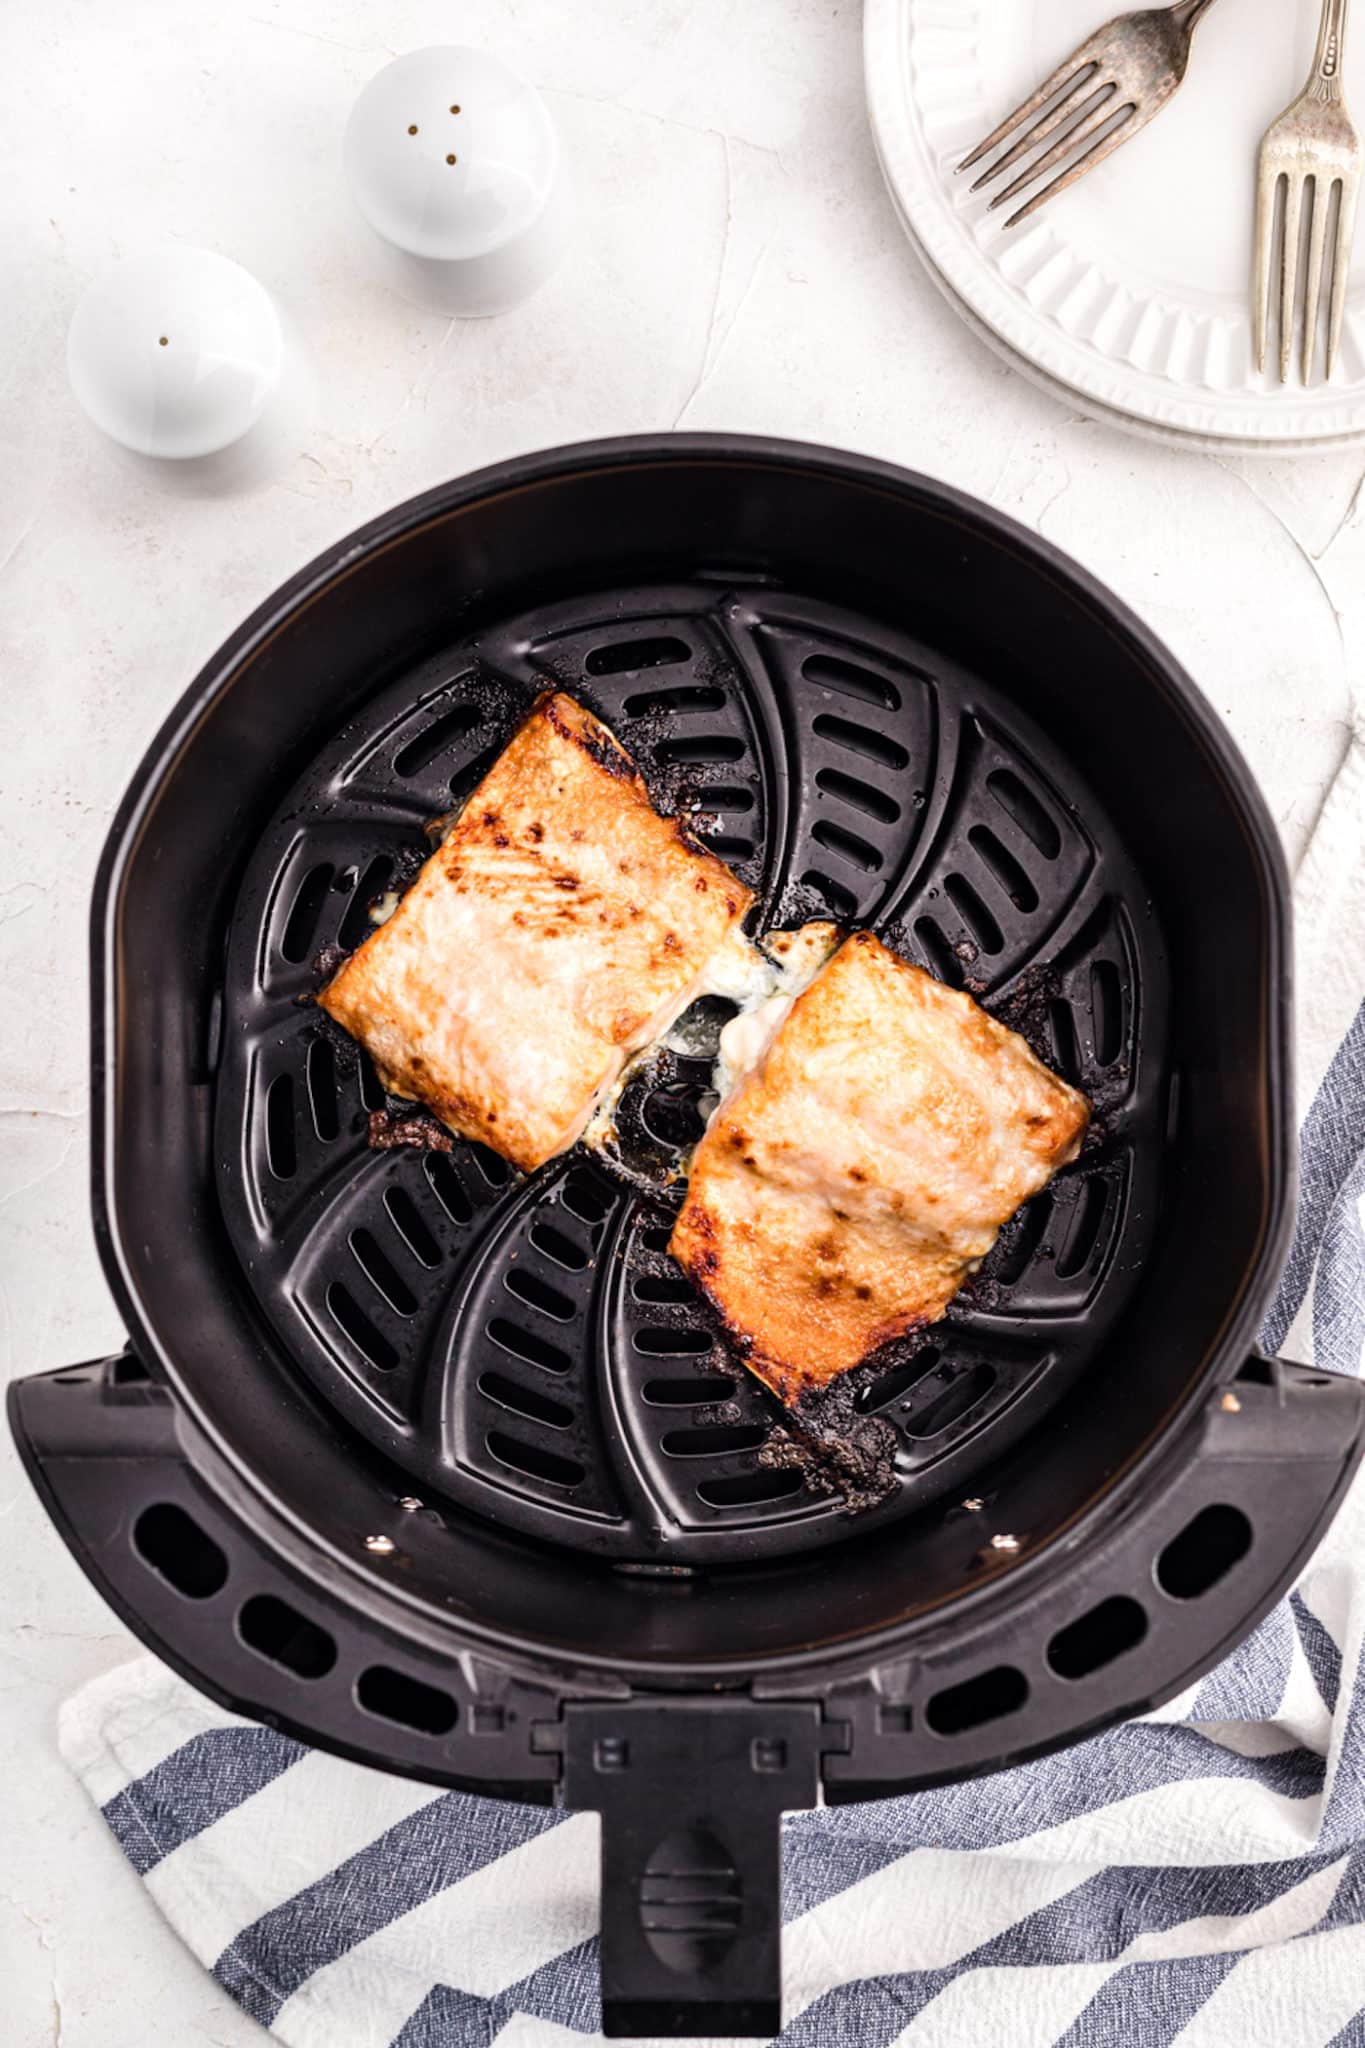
[
  {"x": 394, "y": 1129},
  {"x": 841, "y": 1453}
]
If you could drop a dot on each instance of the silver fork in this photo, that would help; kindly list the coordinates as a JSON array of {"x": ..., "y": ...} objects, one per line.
[
  {"x": 1128, "y": 70},
  {"x": 1314, "y": 141}
]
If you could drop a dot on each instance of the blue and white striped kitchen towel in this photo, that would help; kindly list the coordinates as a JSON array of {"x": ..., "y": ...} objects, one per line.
[{"x": 1197, "y": 1877}]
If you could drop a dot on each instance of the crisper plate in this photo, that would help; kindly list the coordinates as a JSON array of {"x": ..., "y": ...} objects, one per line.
[{"x": 526, "y": 1347}]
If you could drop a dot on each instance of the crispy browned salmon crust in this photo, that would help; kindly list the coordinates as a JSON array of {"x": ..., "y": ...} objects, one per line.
[
  {"x": 853, "y": 1179},
  {"x": 560, "y": 926}
]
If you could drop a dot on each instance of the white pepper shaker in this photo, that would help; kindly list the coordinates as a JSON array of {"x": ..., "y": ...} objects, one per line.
[
  {"x": 455, "y": 164},
  {"x": 182, "y": 359}
]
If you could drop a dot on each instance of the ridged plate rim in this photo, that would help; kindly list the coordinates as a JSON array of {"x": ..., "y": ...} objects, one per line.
[{"x": 1018, "y": 292}]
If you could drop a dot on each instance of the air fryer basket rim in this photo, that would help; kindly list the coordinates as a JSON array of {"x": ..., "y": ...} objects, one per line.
[{"x": 945, "y": 502}]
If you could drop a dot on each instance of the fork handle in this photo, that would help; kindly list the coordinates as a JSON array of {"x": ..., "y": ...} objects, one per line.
[
  {"x": 1187, "y": 14},
  {"x": 1331, "y": 40}
]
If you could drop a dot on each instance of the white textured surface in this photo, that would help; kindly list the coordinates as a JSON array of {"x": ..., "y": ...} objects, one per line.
[{"x": 740, "y": 267}]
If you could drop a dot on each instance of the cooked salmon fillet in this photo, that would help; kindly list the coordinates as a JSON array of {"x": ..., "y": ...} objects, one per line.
[
  {"x": 561, "y": 925},
  {"x": 855, "y": 1176}
]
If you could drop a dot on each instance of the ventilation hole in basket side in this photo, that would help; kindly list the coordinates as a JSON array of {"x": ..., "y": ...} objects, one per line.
[
  {"x": 277, "y": 1631},
  {"x": 725, "y": 797},
  {"x": 393, "y": 1696},
  {"x": 525, "y": 1401},
  {"x": 956, "y": 1401},
  {"x": 447, "y": 1186},
  {"x": 686, "y": 697},
  {"x": 281, "y": 1151},
  {"x": 974, "y": 914},
  {"x": 356, "y": 925},
  {"x": 657, "y": 1240},
  {"x": 129, "y": 1371},
  {"x": 1106, "y": 1009},
  {"x": 378, "y": 1269},
  {"x": 529, "y": 1347},
  {"x": 1022, "y": 807},
  {"x": 714, "y": 1440},
  {"x": 302, "y": 923},
  {"x": 1066, "y": 1052},
  {"x": 321, "y": 1076},
  {"x": 1097, "y": 1638},
  {"x": 182, "y": 1553},
  {"x": 434, "y": 739},
  {"x": 666, "y": 1343},
  {"x": 406, "y": 1219},
  {"x": 689, "y": 1393},
  {"x": 536, "y": 1463},
  {"x": 623, "y": 657},
  {"x": 850, "y": 680},
  {"x": 987, "y": 1697},
  {"x": 858, "y": 739},
  {"x": 372, "y": 1094},
  {"x": 701, "y": 749},
  {"x": 1005, "y": 868},
  {"x": 1204, "y": 1552},
  {"x": 1087, "y": 1215},
  {"x": 586, "y": 1196},
  {"x": 1261, "y": 1372},
  {"x": 351, "y": 1319},
  {"x": 861, "y": 796},
  {"x": 889, "y": 1386},
  {"x": 538, "y": 1294},
  {"x": 939, "y": 955},
  {"x": 557, "y": 1246},
  {"x": 841, "y": 902},
  {"x": 847, "y": 845},
  {"x": 748, "y": 1489},
  {"x": 663, "y": 1287},
  {"x": 1020, "y": 1240}
]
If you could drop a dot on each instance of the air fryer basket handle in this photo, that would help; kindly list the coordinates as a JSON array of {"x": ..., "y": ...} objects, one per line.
[
  {"x": 691, "y": 1794},
  {"x": 691, "y": 1790}
]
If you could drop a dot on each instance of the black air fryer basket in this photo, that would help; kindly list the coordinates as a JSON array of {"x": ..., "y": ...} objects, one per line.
[{"x": 450, "y": 1470}]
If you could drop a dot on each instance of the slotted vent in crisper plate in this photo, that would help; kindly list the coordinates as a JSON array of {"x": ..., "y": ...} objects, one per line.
[{"x": 526, "y": 1348}]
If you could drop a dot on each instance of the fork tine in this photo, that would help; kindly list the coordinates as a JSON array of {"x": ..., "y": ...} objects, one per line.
[
  {"x": 1289, "y": 269},
  {"x": 1068, "y": 108},
  {"x": 1317, "y": 237},
  {"x": 1341, "y": 264},
  {"x": 1267, "y": 193},
  {"x": 1097, "y": 152},
  {"x": 1103, "y": 108},
  {"x": 1082, "y": 124},
  {"x": 1077, "y": 63}
]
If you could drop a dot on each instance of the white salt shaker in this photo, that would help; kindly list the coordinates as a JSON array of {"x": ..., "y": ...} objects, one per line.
[
  {"x": 454, "y": 162},
  {"x": 182, "y": 359}
]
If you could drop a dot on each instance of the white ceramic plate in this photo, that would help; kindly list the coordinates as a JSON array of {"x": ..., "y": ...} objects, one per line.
[{"x": 1130, "y": 291}]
